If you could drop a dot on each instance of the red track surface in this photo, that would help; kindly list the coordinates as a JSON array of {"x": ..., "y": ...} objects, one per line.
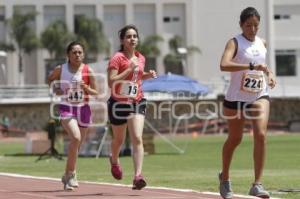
[{"x": 24, "y": 187}]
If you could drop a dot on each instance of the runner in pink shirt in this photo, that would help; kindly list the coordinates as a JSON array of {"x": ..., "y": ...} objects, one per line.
[{"x": 126, "y": 106}]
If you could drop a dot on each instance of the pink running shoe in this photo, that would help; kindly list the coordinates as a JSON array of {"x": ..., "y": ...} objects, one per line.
[
  {"x": 138, "y": 182},
  {"x": 116, "y": 170}
]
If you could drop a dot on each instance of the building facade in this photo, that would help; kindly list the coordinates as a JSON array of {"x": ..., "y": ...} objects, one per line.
[{"x": 205, "y": 24}]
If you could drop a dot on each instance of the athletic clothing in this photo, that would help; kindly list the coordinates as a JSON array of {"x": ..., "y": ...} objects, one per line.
[
  {"x": 248, "y": 85},
  {"x": 75, "y": 100},
  {"x": 70, "y": 84},
  {"x": 238, "y": 105},
  {"x": 126, "y": 95},
  {"x": 127, "y": 90},
  {"x": 81, "y": 113},
  {"x": 118, "y": 112}
]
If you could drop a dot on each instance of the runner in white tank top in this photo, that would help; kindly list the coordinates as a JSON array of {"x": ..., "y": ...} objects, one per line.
[
  {"x": 248, "y": 85},
  {"x": 75, "y": 113},
  {"x": 70, "y": 85},
  {"x": 244, "y": 57}
]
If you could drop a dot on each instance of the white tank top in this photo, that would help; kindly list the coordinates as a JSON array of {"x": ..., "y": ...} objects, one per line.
[
  {"x": 70, "y": 85},
  {"x": 248, "y": 85}
]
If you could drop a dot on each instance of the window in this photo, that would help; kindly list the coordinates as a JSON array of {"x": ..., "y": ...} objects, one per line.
[
  {"x": 166, "y": 19},
  {"x": 281, "y": 16},
  {"x": 171, "y": 19},
  {"x": 53, "y": 13},
  {"x": 2, "y": 24},
  {"x": 286, "y": 63},
  {"x": 150, "y": 64}
]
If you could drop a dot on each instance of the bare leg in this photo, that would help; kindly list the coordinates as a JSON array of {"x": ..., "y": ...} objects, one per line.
[
  {"x": 71, "y": 126},
  {"x": 83, "y": 133},
  {"x": 136, "y": 125},
  {"x": 235, "y": 135},
  {"x": 119, "y": 133},
  {"x": 260, "y": 122}
]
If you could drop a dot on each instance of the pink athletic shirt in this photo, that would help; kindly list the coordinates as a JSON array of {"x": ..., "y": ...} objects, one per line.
[{"x": 130, "y": 89}]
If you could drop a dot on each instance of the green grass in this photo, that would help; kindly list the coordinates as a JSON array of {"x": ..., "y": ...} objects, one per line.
[{"x": 195, "y": 169}]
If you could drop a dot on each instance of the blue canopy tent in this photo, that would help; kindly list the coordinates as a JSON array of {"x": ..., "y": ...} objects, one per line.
[{"x": 171, "y": 83}]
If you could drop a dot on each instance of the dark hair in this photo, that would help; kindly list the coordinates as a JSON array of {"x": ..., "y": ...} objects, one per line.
[
  {"x": 248, "y": 12},
  {"x": 123, "y": 31},
  {"x": 74, "y": 43}
]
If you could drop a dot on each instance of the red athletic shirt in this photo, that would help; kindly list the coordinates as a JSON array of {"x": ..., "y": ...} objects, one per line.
[{"x": 130, "y": 89}]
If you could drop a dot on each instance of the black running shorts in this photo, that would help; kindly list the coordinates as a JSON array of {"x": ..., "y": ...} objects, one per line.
[{"x": 118, "y": 112}]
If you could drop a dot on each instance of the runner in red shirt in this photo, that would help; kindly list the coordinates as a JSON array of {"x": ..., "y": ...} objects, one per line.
[{"x": 126, "y": 106}]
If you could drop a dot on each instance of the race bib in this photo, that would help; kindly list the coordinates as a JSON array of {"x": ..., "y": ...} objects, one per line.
[
  {"x": 252, "y": 82},
  {"x": 129, "y": 89},
  {"x": 75, "y": 95}
]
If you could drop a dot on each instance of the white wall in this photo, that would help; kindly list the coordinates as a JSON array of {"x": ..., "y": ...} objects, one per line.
[
  {"x": 205, "y": 24},
  {"x": 215, "y": 23}
]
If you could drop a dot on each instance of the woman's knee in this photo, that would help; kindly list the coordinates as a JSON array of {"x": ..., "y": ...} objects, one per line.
[
  {"x": 137, "y": 140},
  {"x": 260, "y": 137},
  {"x": 234, "y": 141},
  {"x": 118, "y": 140},
  {"x": 76, "y": 138}
]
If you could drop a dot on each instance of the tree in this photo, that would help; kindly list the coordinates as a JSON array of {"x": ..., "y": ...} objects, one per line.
[
  {"x": 148, "y": 47},
  {"x": 90, "y": 33},
  {"x": 55, "y": 37},
  {"x": 7, "y": 47},
  {"x": 24, "y": 37},
  {"x": 173, "y": 61}
]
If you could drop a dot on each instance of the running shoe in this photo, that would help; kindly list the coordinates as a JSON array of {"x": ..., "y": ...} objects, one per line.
[
  {"x": 70, "y": 181},
  {"x": 116, "y": 170},
  {"x": 258, "y": 191},
  {"x": 225, "y": 188},
  {"x": 138, "y": 182}
]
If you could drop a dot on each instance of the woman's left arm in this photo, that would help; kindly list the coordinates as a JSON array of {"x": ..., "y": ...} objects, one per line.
[
  {"x": 271, "y": 78},
  {"x": 92, "y": 88},
  {"x": 270, "y": 75},
  {"x": 148, "y": 75}
]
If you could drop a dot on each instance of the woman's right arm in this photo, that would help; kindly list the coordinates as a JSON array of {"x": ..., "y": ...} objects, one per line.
[
  {"x": 227, "y": 64},
  {"x": 114, "y": 76},
  {"x": 55, "y": 75}
]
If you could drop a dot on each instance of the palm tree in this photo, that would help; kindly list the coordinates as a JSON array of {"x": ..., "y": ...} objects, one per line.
[
  {"x": 7, "y": 47},
  {"x": 148, "y": 47},
  {"x": 173, "y": 61},
  {"x": 90, "y": 33},
  {"x": 55, "y": 37},
  {"x": 24, "y": 37}
]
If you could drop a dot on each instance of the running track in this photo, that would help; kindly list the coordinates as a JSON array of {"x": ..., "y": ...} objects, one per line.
[{"x": 27, "y": 187}]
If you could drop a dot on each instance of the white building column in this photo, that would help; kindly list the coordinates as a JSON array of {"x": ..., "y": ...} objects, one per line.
[
  {"x": 270, "y": 35},
  {"x": 70, "y": 16},
  {"x": 129, "y": 13},
  {"x": 99, "y": 12},
  {"x": 40, "y": 63},
  {"x": 160, "y": 69},
  {"x": 12, "y": 64},
  {"x": 100, "y": 16}
]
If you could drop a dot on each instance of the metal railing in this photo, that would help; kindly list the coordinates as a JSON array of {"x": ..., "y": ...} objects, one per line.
[{"x": 9, "y": 92}]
